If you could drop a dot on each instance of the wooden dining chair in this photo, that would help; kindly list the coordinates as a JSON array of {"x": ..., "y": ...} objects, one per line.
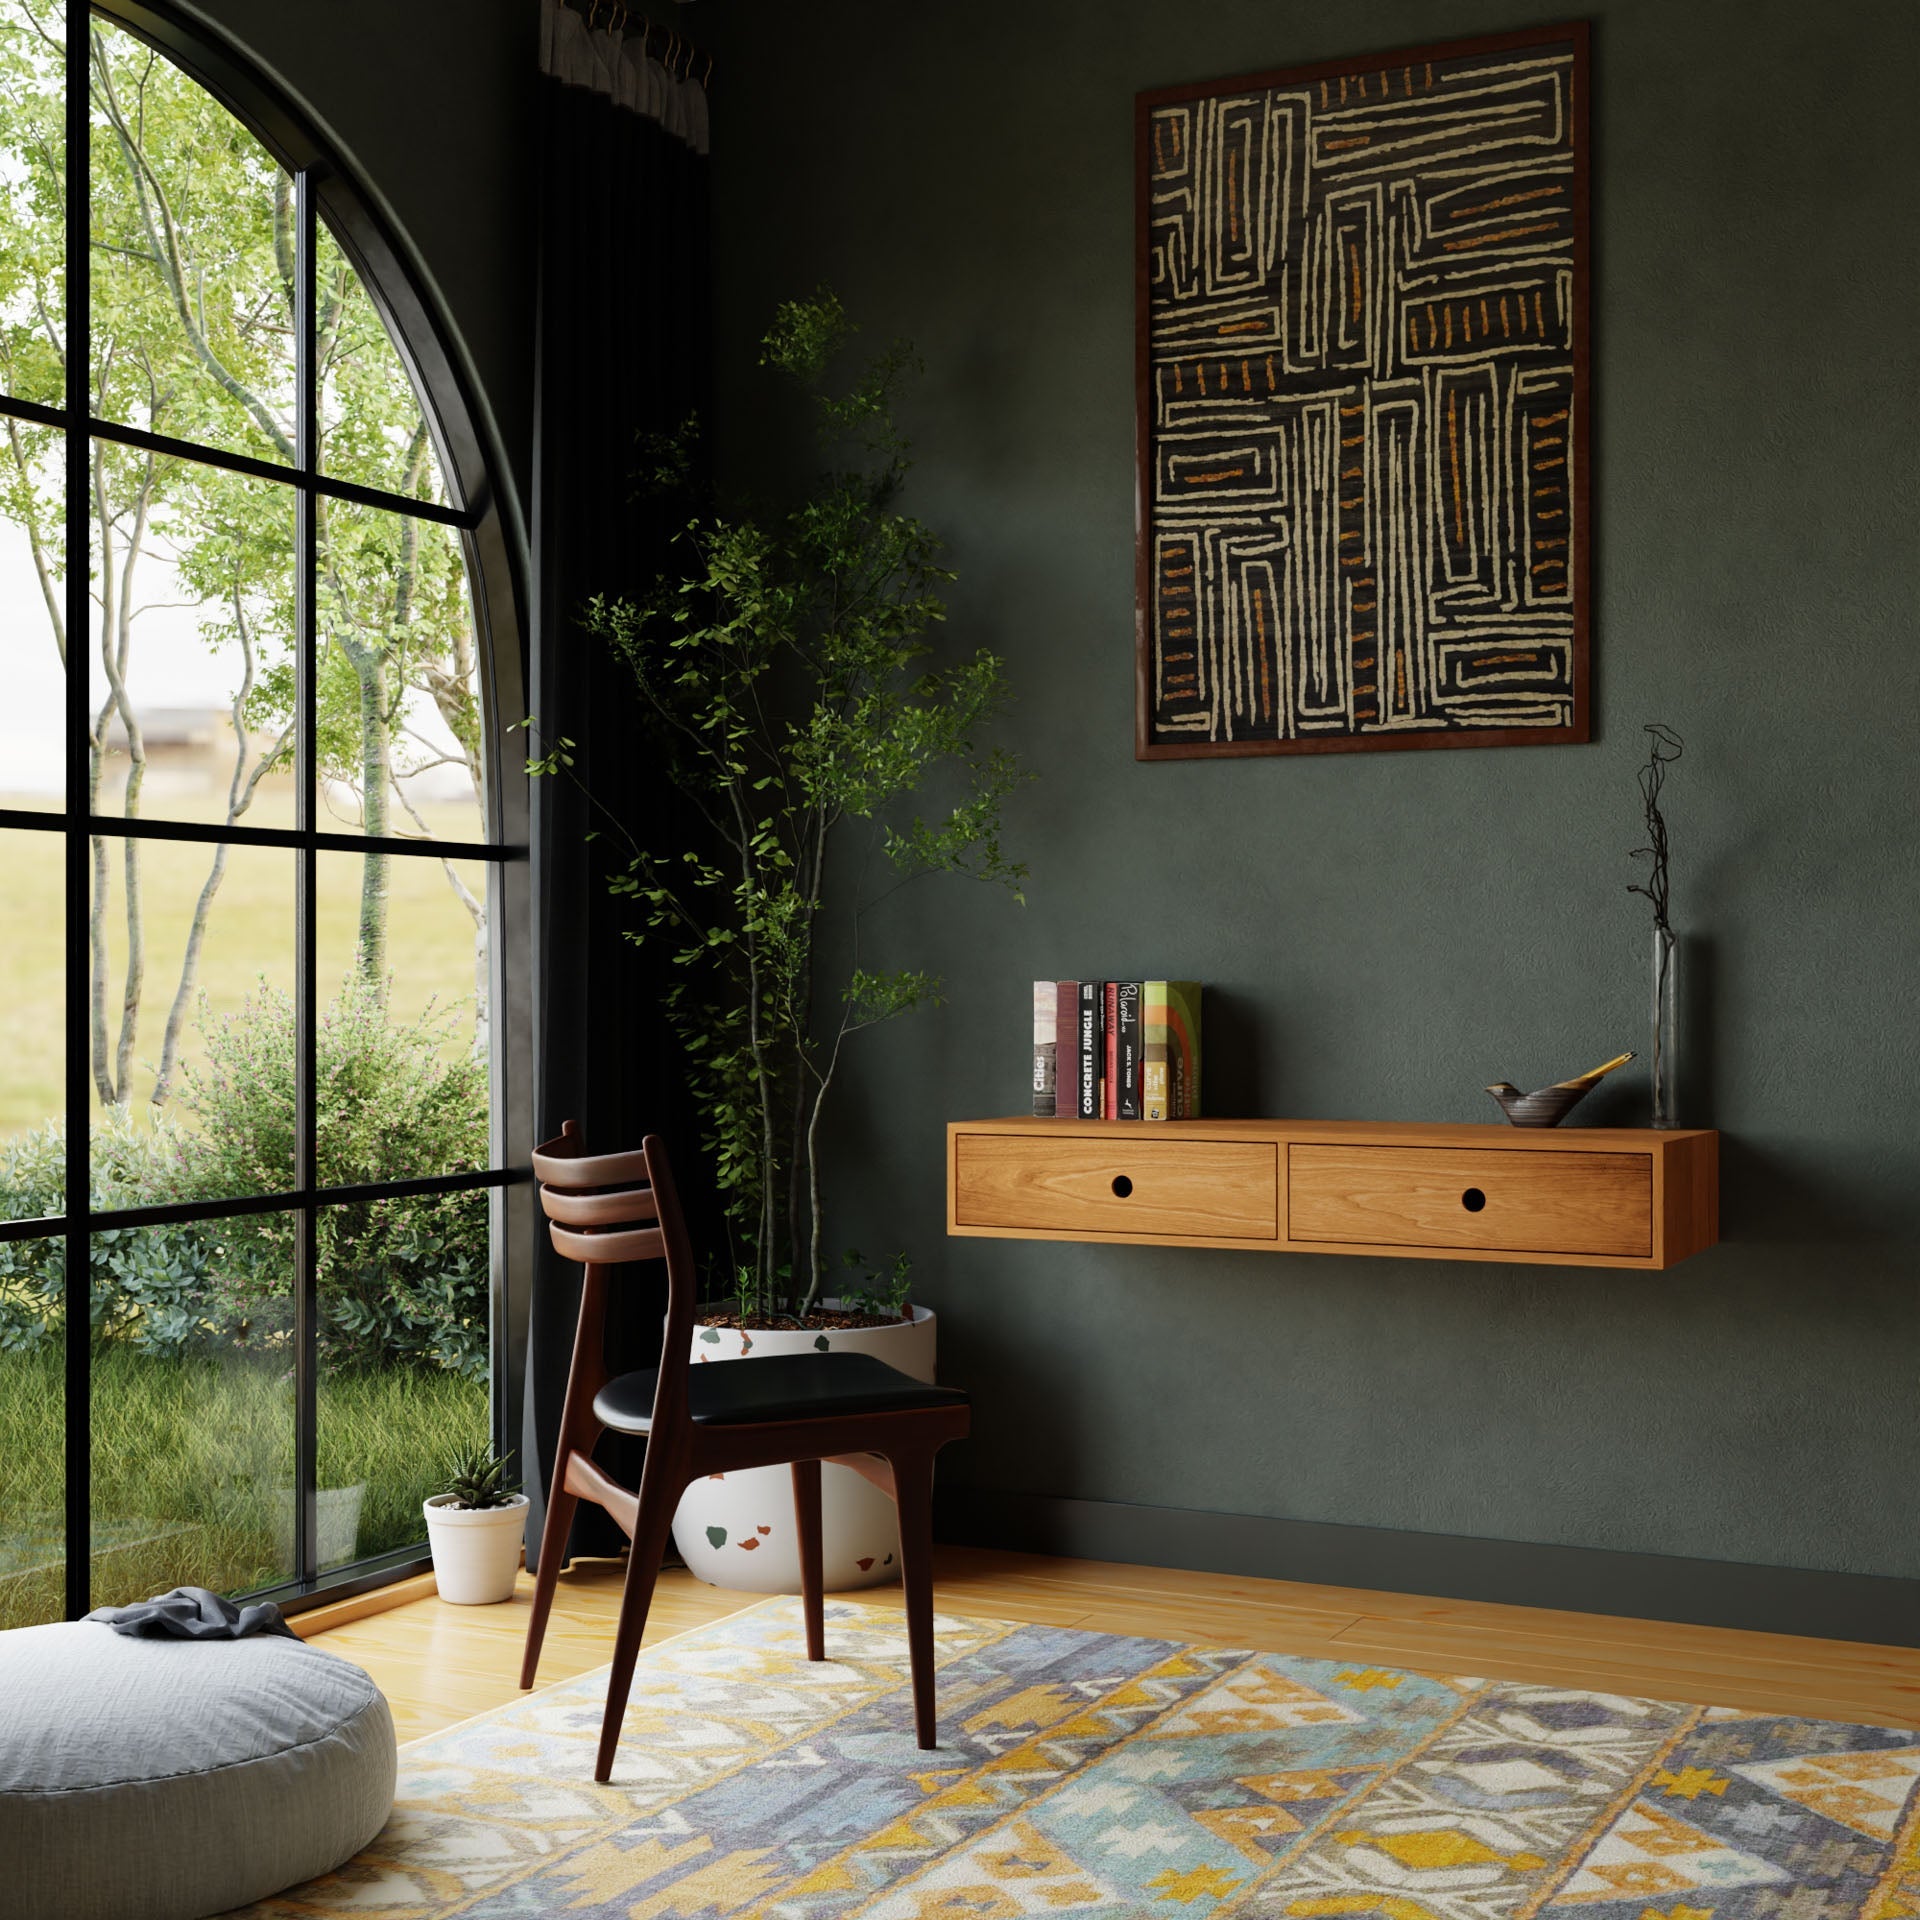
[{"x": 611, "y": 1210}]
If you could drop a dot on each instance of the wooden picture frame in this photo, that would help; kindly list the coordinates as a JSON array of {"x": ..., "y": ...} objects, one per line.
[{"x": 1298, "y": 284}]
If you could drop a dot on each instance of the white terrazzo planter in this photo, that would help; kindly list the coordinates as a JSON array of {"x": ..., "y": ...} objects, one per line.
[{"x": 736, "y": 1529}]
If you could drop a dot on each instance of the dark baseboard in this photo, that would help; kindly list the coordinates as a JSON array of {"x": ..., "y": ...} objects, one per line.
[{"x": 1646, "y": 1586}]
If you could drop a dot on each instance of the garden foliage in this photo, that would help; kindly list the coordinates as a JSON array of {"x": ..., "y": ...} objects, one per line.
[{"x": 399, "y": 1280}]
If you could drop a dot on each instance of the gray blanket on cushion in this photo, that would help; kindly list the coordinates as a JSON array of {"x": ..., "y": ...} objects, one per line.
[{"x": 192, "y": 1613}]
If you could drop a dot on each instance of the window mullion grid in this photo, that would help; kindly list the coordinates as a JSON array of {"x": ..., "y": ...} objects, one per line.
[
  {"x": 81, "y": 430},
  {"x": 306, "y": 1271},
  {"x": 121, "y": 433},
  {"x": 79, "y": 620}
]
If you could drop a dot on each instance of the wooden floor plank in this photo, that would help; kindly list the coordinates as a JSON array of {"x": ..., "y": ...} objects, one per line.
[
  {"x": 439, "y": 1663},
  {"x": 1468, "y": 1641}
]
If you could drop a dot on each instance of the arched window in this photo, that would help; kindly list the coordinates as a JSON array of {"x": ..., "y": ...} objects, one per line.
[{"x": 256, "y": 623}]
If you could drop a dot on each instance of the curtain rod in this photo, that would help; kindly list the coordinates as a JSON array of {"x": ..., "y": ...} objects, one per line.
[{"x": 678, "y": 54}]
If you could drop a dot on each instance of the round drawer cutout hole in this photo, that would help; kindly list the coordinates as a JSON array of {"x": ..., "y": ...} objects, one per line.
[
  {"x": 1473, "y": 1200},
  {"x": 1122, "y": 1186}
]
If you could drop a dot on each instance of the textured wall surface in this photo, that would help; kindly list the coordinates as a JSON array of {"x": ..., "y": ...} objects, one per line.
[{"x": 1383, "y": 934}]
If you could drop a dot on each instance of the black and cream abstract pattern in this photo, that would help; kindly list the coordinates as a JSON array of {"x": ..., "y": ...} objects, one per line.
[{"x": 1365, "y": 310}]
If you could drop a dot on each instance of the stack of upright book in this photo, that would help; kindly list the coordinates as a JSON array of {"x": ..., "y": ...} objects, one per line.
[{"x": 1116, "y": 1049}]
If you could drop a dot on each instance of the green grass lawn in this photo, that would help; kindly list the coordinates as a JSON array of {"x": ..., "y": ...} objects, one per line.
[
  {"x": 190, "y": 1463},
  {"x": 249, "y": 933}
]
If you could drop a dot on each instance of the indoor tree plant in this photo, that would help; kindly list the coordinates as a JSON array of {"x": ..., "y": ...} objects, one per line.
[{"x": 786, "y": 686}]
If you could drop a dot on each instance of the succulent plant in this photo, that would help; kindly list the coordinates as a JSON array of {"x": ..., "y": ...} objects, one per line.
[{"x": 476, "y": 1477}]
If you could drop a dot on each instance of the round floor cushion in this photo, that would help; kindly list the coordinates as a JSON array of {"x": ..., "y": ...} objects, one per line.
[{"x": 171, "y": 1779}]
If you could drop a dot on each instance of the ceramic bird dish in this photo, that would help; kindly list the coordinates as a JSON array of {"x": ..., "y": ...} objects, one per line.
[{"x": 1548, "y": 1106}]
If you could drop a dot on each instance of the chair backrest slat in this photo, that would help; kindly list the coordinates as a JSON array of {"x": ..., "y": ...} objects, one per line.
[
  {"x": 590, "y": 1201},
  {"x": 555, "y": 1166},
  {"x": 620, "y": 1208},
  {"x": 609, "y": 1248}
]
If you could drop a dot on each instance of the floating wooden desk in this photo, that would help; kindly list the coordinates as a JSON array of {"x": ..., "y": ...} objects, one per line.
[{"x": 1558, "y": 1196}]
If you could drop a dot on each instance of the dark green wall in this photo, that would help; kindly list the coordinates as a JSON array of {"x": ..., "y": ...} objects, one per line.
[{"x": 1383, "y": 934}]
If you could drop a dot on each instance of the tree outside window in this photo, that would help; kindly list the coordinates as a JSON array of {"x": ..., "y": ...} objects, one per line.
[{"x": 196, "y": 572}]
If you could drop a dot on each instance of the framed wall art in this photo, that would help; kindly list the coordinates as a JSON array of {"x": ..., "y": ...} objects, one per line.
[{"x": 1362, "y": 504}]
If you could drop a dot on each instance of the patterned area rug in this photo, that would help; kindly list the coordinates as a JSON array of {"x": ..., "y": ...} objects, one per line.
[{"x": 1085, "y": 1774}]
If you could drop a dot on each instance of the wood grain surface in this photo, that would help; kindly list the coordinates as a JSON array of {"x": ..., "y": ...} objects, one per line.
[
  {"x": 439, "y": 1663},
  {"x": 1598, "y": 1203},
  {"x": 1571, "y": 1196},
  {"x": 1130, "y": 1185}
]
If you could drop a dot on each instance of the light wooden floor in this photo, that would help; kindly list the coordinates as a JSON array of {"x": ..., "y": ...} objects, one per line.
[{"x": 439, "y": 1663}]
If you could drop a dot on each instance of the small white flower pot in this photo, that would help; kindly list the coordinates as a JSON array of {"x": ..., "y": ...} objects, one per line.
[
  {"x": 476, "y": 1550},
  {"x": 736, "y": 1529}
]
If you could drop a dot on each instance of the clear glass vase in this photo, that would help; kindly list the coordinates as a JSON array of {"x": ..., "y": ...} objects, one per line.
[{"x": 1665, "y": 1057}]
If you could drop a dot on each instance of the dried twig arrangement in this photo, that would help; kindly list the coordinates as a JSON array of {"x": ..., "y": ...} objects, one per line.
[{"x": 1665, "y": 748}]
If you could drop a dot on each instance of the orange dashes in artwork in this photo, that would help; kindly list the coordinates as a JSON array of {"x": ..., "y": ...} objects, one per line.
[
  {"x": 1493, "y": 206},
  {"x": 1470, "y": 240}
]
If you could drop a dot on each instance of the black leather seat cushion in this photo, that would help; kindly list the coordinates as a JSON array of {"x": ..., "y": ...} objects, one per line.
[{"x": 781, "y": 1386}]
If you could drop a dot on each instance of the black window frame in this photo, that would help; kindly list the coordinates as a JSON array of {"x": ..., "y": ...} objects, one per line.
[{"x": 323, "y": 188}]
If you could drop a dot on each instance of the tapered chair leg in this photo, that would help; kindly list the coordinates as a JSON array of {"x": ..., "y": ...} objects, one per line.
[
  {"x": 913, "y": 1494},
  {"x": 806, "y": 1525},
  {"x": 553, "y": 1548},
  {"x": 652, "y": 1527}
]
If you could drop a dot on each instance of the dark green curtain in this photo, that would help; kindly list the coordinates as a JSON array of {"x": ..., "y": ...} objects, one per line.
[{"x": 624, "y": 344}]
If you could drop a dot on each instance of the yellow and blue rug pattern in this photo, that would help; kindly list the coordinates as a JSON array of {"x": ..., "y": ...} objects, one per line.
[{"x": 1085, "y": 1774}]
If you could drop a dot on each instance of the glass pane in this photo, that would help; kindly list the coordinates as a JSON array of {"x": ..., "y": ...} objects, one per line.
[
  {"x": 399, "y": 713},
  {"x": 193, "y": 260},
  {"x": 33, "y": 616},
  {"x": 401, "y": 948},
  {"x": 191, "y": 655},
  {"x": 33, "y": 1171},
  {"x": 372, "y": 428},
  {"x": 33, "y": 1427},
  {"x": 403, "y": 1362},
  {"x": 191, "y": 1041},
  {"x": 32, "y": 1022},
  {"x": 33, "y": 159},
  {"x": 192, "y": 1407}
]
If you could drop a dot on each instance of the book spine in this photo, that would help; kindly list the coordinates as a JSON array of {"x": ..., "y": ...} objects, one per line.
[
  {"x": 1066, "y": 1048},
  {"x": 1110, "y": 1089},
  {"x": 1045, "y": 1060},
  {"x": 1183, "y": 1047},
  {"x": 1089, "y": 1077},
  {"x": 1127, "y": 1051},
  {"x": 1154, "y": 1101}
]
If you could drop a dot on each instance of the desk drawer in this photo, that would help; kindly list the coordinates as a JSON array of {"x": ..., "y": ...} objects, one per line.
[
  {"x": 1512, "y": 1200},
  {"x": 1174, "y": 1189}
]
